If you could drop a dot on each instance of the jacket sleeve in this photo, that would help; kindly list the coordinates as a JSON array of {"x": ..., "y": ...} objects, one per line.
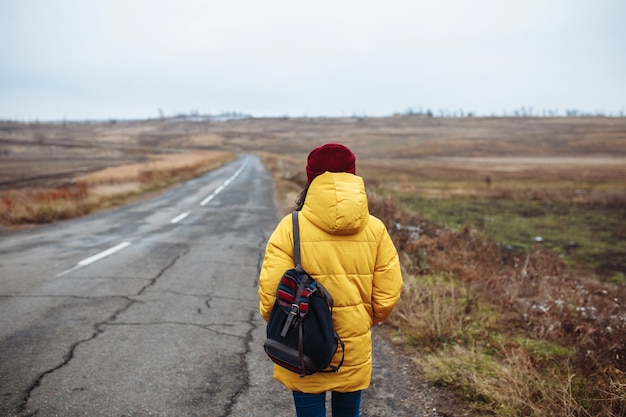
[
  {"x": 278, "y": 258},
  {"x": 387, "y": 282}
]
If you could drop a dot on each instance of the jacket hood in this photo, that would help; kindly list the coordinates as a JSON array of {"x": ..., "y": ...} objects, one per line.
[{"x": 336, "y": 203}]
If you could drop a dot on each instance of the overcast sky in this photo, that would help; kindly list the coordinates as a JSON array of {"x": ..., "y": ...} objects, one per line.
[{"x": 101, "y": 59}]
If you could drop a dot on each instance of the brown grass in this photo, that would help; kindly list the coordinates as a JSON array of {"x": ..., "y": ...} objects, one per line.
[
  {"x": 596, "y": 181},
  {"x": 504, "y": 300},
  {"x": 110, "y": 186}
]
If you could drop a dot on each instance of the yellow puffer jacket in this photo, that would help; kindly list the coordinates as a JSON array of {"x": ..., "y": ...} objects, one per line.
[{"x": 350, "y": 252}]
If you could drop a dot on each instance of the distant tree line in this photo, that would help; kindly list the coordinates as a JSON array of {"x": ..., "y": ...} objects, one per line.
[
  {"x": 195, "y": 115},
  {"x": 519, "y": 112}
]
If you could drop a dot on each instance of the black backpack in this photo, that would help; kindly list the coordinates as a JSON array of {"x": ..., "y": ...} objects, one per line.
[{"x": 300, "y": 332}]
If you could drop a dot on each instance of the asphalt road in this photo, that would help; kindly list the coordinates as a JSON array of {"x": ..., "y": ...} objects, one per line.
[{"x": 151, "y": 310}]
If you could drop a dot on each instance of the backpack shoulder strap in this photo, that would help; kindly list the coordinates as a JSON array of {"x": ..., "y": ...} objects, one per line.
[{"x": 296, "y": 238}]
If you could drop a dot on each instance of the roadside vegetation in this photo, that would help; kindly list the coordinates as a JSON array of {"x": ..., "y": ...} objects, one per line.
[
  {"x": 589, "y": 238},
  {"x": 516, "y": 330},
  {"x": 105, "y": 188}
]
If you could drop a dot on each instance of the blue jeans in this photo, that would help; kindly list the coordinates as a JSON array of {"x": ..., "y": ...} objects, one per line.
[{"x": 344, "y": 404}]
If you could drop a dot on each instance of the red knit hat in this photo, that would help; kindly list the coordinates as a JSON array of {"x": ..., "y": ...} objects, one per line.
[{"x": 332, "y": 157}]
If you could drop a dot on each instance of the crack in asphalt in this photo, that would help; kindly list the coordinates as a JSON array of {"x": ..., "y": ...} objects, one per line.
[
  {"x": 248, "y": 342},
  {"x": 244, "y": 365},
  {"x": 98, "y": 330},
  {"x": 209, "y": 297},
  {"x": 66, "y": 359},
  {"x": 260, "y": 257},
  {"x": 163, "y": 270},
  {"x": 178, "y": 323}
]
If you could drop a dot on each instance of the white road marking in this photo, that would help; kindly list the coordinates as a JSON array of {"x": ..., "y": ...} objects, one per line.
[
  {"x": 222, "y": 186},
  {"x": 116, "y": 248},
  {"x": 96, "y": 257},
  {"x": 206, "y": 200},
  {"x": 103, "y": 254},
  {"x": 179, "y": 218}
]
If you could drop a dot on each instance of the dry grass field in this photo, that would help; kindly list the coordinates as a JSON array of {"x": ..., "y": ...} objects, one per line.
[
  {"x": 511, "y": 231},
  {"x": 402, "y": 151},
  {"x": 53, "y": 172}
]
